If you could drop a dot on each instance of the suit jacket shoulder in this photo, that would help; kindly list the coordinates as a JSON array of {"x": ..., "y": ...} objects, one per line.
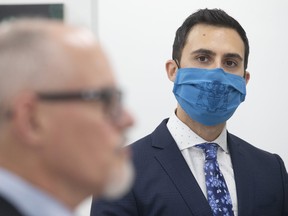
[
  {"x": 247, "y": 147},
  {"x": 261, "y": 179}
]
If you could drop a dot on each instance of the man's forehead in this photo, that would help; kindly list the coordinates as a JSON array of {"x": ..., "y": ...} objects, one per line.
[
  {"x": 203, "y": 30},
  {"x": 204, "y": 36}
]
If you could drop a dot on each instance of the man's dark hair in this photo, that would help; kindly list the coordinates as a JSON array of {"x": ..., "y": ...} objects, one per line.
[{"x": 215, "y": 17}]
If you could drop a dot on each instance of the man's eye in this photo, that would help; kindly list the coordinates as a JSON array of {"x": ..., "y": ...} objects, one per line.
[
  {"x": 202, "y": 59},
  {"x": 231, "y": 63}
]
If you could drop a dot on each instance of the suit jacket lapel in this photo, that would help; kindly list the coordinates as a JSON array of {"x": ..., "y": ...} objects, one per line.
[
  {"x": 244, "y": 177},
  {"x": 169, "y": 156}
]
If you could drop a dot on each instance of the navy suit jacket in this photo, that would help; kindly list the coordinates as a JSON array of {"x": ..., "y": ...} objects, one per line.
[
  {"x": 165, "y": 186},
  {"x": 6, "y": 209}
]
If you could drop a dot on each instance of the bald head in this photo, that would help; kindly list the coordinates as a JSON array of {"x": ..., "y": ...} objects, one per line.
[{"x": 42, "y": 55}]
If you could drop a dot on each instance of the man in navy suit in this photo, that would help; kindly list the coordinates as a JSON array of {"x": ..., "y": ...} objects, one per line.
[
  {"x": 62, "y": 124},
  {"x": 210, "y": 58}
]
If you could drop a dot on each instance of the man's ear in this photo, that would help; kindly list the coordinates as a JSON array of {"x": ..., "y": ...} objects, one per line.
[
  {"x": 171, "y": 69},
  {"x": 24, "y": 118},
  {"x": 247, "y": 77}
]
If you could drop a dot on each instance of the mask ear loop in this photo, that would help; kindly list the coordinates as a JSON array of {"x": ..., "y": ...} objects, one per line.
[{"x": 177, "y": 63}]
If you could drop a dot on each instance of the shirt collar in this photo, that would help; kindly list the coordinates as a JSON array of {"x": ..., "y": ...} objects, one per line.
[
  {"x": 186, "y": 138},
  {"x": 28, "y": 199}
]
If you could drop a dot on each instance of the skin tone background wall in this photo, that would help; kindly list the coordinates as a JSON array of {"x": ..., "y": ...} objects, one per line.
[{"x": 138, "y": 37}]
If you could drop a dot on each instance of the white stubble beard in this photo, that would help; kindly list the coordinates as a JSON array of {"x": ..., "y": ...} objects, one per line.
[{"x": 120, "y": 182}]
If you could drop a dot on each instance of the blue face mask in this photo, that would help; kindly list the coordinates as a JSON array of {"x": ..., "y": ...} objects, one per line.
[{"x": 209, "y": 96}]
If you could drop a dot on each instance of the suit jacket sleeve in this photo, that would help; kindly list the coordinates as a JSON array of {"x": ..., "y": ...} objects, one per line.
[
  {"x": 124, "y": 207},
  {"x": 285, "y": 185}
]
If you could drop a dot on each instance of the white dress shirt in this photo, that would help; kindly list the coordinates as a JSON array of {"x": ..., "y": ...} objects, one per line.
[
  {"x": 27, "y": 199},
  {"x": 186, "y": 140}
]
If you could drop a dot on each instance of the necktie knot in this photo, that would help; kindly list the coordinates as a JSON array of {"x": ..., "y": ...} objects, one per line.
[{"x": 210, "y": 150}]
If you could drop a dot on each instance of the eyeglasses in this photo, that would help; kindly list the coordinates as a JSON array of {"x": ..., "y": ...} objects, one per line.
[{"x": 111, "y": 98}]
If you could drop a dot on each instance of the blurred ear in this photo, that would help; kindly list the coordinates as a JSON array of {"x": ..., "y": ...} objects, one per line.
[
  {"x": 25, "y": 120},
  {"x": 171, "y": 69},
  {"x": 247, "y": 77}
]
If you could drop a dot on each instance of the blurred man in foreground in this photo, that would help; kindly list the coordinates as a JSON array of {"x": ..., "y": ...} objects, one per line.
[{"x": 61, "y": 120}]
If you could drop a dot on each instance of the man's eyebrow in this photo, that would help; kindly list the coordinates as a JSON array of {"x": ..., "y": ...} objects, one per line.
[
  {"x": 203, "y": 51},
  {"x": 233, "y": 55},
  {"x": 210, "y": 52}
]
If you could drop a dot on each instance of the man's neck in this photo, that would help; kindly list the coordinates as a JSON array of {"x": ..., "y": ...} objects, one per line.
[{"x": 208, "y": 133}]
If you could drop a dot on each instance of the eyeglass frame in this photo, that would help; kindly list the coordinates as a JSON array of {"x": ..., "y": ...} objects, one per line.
[{"x": 104, "y": 95}]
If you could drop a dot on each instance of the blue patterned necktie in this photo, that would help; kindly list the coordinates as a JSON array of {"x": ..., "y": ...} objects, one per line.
[{"x": 217, "y": 191}]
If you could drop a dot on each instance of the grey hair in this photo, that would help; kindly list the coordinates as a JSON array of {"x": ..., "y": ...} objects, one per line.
[{"x": 28, "y": 56}]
